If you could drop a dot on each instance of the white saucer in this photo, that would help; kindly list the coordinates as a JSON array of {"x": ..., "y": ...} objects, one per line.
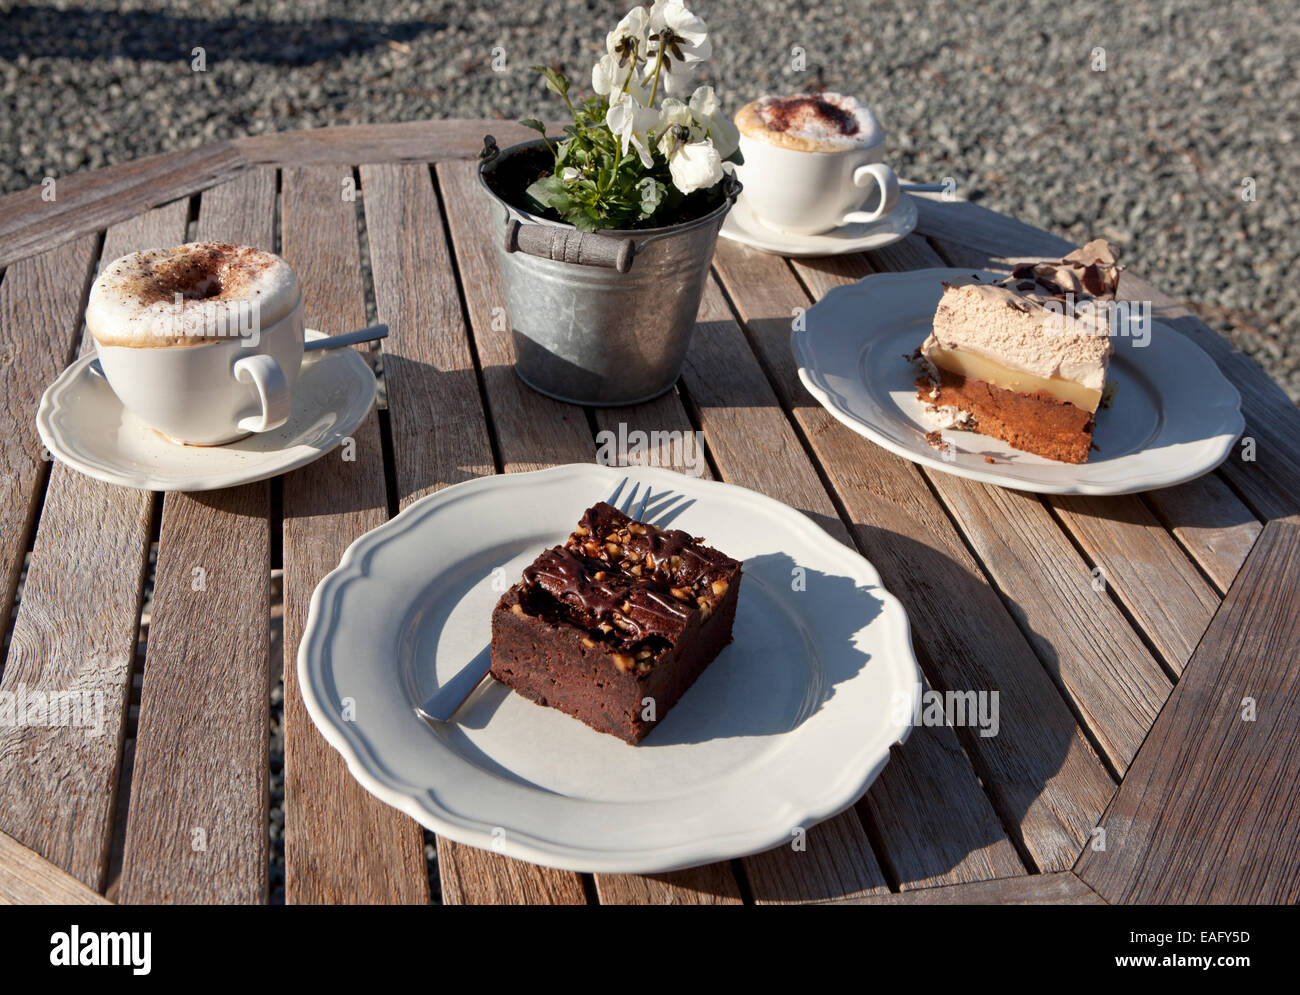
[
  {"x": 741, "y": 226},
  {"x": 83, "y": 424},
  {"x": 788, "y": 726},
  {"x": 1174, "y": 415}
]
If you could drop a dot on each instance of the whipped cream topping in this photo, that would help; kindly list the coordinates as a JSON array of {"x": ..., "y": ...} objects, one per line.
[
  {"x": 194, "y": 293},
  {"x": 1019, "y": 322},
  {"x": 814, "y": 122}
]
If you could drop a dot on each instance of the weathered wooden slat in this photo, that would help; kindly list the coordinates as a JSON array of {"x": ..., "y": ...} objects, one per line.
[
  {"x": 76, "y": 631},
  {"x": 88, "y": 202},
  {"x": 532, "y": 432},
  {"x": 1207, "y": 811},
  {"x": 1059, "y": 888},
  {"x": 439, "y": 437},
  {"x": 712, "y": 884},
  {"x": 197, "y": 827},
  {"x": 1212, "y": 524},
  {"x": 40, "y": 312},
  {"x": 27, "y": 878},
  {"x": 1149, "y": 573},
  {"x": 342, "y": 845},
  {"x": 1040, "y": 771}
]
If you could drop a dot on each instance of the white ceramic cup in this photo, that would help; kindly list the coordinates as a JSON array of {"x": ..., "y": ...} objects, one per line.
[
  {"x": 213, "y": 392},
  {"x": 806, "y": 193}
]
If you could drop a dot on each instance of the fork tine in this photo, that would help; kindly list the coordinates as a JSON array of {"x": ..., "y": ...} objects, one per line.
[
  {"x": 617, "y": 491},
  {"x": 627, "y": 505},
  {"x": 640, "y": 513}
]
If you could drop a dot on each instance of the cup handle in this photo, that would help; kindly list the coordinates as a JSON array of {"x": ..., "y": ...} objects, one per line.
[
  {"x": 883, "y": 177},
  {"x": 264, "y": 373}
]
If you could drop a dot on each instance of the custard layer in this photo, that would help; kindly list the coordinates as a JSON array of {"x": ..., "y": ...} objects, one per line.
[{"x": 977, "y": 367}]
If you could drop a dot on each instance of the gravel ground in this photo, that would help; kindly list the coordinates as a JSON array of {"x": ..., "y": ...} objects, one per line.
[
  {"x": 1151, "y": 152},
  {"x": 1007, "y": 98}
]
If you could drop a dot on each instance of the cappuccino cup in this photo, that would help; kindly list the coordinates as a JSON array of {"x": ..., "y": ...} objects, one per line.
[
  {"x": 813, "y": 162},
  {"x": 202, "y": 342}
]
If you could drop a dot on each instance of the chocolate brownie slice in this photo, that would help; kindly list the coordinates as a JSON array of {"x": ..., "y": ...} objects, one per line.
[{"x": 615, "y": 625}]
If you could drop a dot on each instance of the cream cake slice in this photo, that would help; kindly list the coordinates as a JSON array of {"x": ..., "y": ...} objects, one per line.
[{"x": 1024, "y": 359}]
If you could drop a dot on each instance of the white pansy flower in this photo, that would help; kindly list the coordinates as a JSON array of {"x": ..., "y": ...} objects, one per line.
[
  {"x": 695, "y": 166},
  {"x": 631, "y": 124},
  {"x": 568, "y": 174},
  {"x": 681, "y": 34},
  {"x": 673, "y": 114},
  {"x": 627, "y": 42},
  {"x": 607, "y": 76},
  {"x": 708, "y": 114},
  {"x": 693, "y": 161}
]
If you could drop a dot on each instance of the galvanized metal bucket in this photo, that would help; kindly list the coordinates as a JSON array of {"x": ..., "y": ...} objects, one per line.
[{"x": 599, "y": 318}]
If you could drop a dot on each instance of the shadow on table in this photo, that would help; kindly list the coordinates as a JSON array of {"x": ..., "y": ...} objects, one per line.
[
  {"x": 924, "y": 827},
  {"x": 77, "y": 33}
]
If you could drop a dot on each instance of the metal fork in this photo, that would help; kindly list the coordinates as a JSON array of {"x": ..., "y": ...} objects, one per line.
[{"x": 447, "y": 700}]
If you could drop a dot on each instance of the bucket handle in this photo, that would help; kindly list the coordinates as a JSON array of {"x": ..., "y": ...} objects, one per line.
[{"x": 583, "y": 248}]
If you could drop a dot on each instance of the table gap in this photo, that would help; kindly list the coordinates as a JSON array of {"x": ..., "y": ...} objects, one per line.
[
  {"x": 192, "y": 216},
  {"x": 29, "y": 543},
  {"x": 742, "y": 881},
  {"x": 277, "y": 215},
  {"x": 1115, "y": 599},
  {"x": 275, "y": 738},
  {"x": 126, "y": 761},
  {"x": 363, "y": 245},
  {"x": 493, "y": 442},
  {"x": 375, "y": 355}
]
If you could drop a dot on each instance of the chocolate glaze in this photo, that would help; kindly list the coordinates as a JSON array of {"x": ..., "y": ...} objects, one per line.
[{"x": 647, "y": 587}]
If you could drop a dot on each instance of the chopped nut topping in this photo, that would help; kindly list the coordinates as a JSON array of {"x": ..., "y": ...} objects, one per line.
[
  {"x": 623, "y": 662},
  {"x": 614, "y": 548},
  {"x": 517, "y": 608},
  {"x": 719, "y": 587},
  {"x": 681, "y": 593},
  {"x": 588, "y": 642}
]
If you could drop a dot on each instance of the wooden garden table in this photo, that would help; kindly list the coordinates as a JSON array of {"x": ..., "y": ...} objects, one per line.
[{"x": 1121, "y": 708}]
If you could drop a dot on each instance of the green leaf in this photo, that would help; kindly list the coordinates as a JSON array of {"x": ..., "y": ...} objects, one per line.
[
  {"x": 536, "y": 125},
  {"x": 555, "y": 81},
  {"x": 550, "y": 192}
]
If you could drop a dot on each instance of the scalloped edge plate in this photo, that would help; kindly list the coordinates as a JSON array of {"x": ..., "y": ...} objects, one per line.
[
  {"x": 1174, "y": 416},
  {"x": 83, "y": 424},
  {"x": 787, "y": 727}
]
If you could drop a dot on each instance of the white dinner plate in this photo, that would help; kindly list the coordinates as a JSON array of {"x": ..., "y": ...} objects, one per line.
[
  {"x": 789, "y": 725},
  {"x": 1174, "y": 415},
  {"x": 741, "y": 226},
  {"x": 83, "y": 424}
]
